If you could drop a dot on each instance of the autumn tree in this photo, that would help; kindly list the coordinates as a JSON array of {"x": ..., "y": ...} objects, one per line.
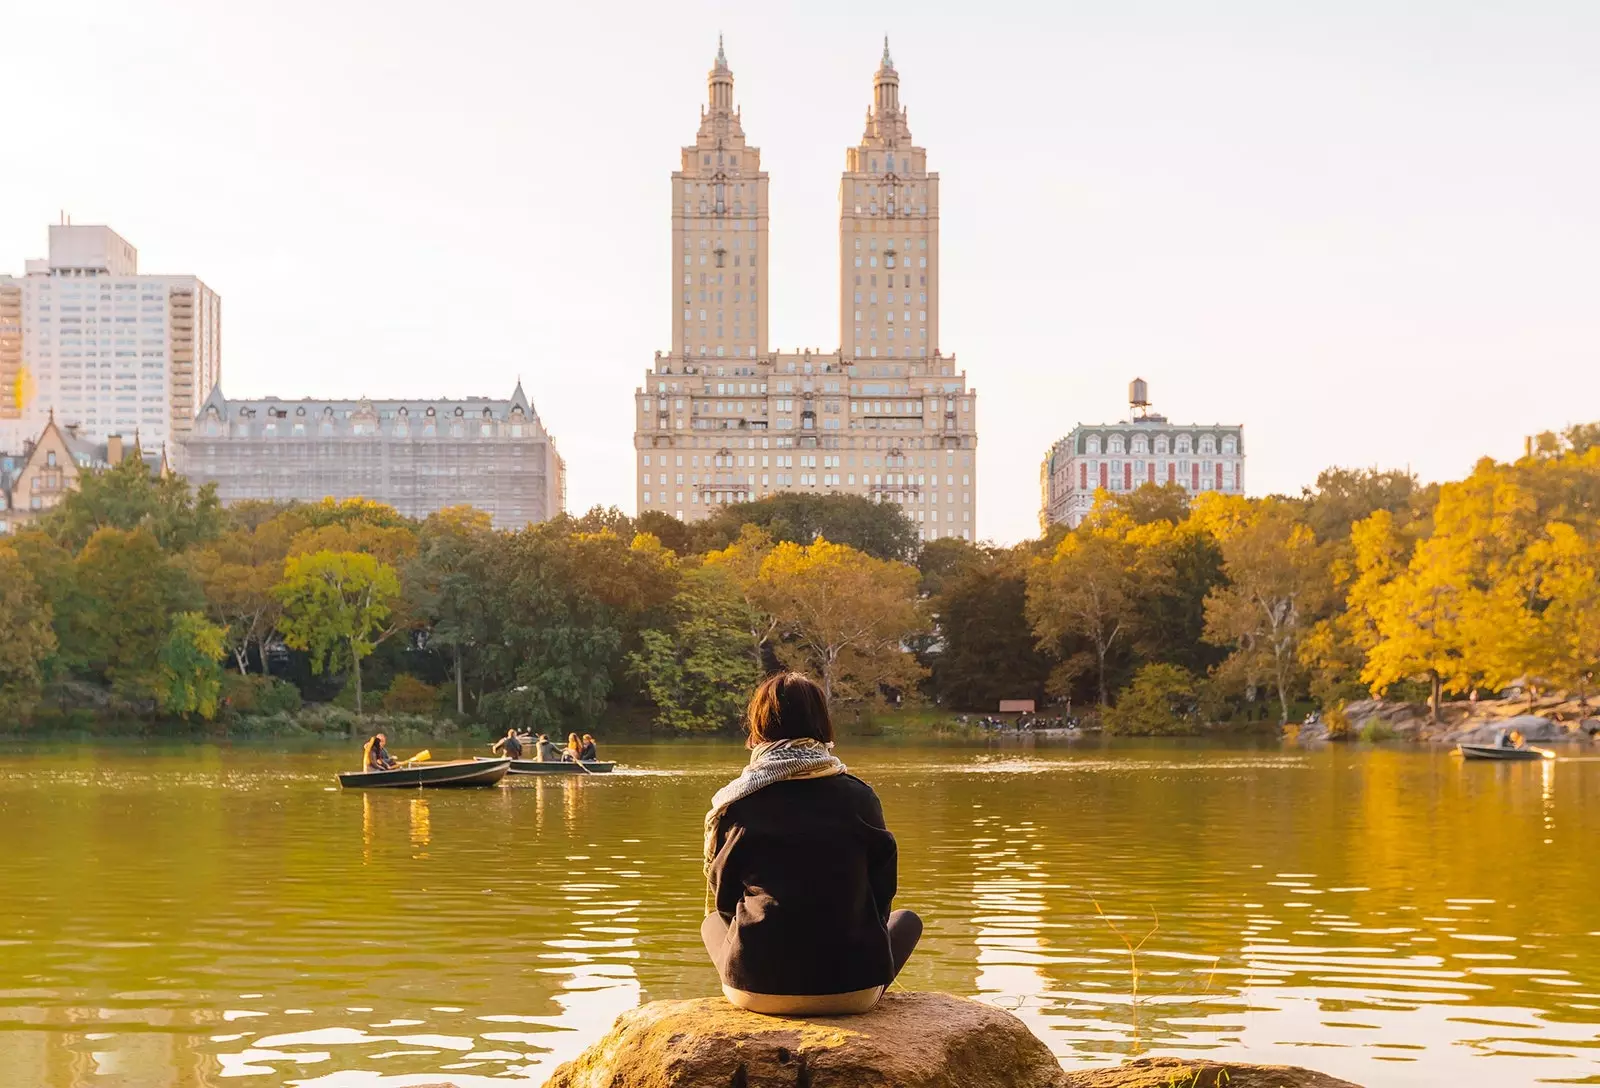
[
  {"x": 1563, "y": 567},
  {"x": 238, "y": 573},
  {"x": 1088, "y": 589},
  {"x": 847, "y": 613},
  {"x": 1276, "y": 587},
  {"x": 742, "y": 561},
  {"x": 334, "y": 605},
  {"x": 878, "y": 528}
]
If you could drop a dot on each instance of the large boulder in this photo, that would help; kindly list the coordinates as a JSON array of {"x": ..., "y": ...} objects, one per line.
[
  {"x": 911, "y": 1040},
  {"x": 1535, "y": 730},
  {"x": 1167, "y": 1072}
]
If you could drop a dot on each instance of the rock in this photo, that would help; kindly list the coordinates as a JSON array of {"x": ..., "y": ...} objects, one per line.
[
  {"x": 1168, "y": 1072},
  {"x": 911, "y": 1040},
  {"x": 1535, "y": 729}
]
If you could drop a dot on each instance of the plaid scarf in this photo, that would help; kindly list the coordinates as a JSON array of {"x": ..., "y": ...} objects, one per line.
[{"x": 775, "y": 761}]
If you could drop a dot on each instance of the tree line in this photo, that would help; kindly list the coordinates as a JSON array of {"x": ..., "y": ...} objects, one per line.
[{"x": 1159, "y": 613}]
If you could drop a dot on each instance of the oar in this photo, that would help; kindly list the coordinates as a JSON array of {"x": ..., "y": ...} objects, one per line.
[{"x": 421, "y": 757}]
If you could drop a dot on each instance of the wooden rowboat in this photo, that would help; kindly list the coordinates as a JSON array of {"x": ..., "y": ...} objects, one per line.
[
  {"x": 450, "y": 774},
  {"x": 1494, "y": 751},
  {"x": 534, "y": 766}
]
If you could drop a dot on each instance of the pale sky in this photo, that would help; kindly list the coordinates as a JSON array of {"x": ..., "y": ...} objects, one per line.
[{"x": 1368, "y": 231}]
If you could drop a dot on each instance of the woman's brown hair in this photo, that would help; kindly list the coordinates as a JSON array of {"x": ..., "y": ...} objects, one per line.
[{"x": 788, "y": 706}]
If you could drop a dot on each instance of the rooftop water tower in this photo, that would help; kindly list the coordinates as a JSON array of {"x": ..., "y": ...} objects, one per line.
[{"x": 1139, "y": 397}]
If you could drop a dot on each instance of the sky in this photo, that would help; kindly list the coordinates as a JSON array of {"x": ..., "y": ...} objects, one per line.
[{"x": 1368, "y": 232}]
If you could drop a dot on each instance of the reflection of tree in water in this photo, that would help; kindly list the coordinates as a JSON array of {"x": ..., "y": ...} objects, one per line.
[{"x": 421, "y": 824}]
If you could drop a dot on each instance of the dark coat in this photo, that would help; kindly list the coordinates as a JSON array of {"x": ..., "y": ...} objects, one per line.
[{"x": 805, "y": 873}]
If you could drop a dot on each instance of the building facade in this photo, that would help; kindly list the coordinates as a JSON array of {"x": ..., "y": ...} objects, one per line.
[
  {"x": 1144, "y": 449},
  {"x": 88, "y": 339},
  {"x": 47, "y": 468},
  {"x": 721, "y": 419},
  {"x": 418, "y": 456}
]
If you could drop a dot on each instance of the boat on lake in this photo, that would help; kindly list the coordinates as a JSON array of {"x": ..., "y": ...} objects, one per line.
[
  {"x": 448, "y": 774},
  {"x": 551, "y": 766},
  {"x": 1495, "y": 751}
]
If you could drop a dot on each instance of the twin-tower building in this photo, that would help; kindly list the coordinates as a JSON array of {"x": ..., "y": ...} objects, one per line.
[{"x": 724, "y": 419}]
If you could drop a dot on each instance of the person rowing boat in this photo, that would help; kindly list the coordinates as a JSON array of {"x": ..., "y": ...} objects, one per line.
[
  {"x": 509, "y": 745},
  {"x": 376, "y": 757}
]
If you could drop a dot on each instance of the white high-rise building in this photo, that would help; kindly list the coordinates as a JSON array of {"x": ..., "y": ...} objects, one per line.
[{"x": 86, "y": 338}]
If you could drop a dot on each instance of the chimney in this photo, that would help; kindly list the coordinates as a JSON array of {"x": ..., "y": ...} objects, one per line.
[{"x": 114, "y": 449}]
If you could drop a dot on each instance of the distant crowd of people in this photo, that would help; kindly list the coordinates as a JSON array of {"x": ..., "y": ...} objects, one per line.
[{"x": 1024, "y": 723}]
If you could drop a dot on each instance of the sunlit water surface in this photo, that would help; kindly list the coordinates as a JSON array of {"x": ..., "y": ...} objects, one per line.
[{"x": 192, "y": 916}]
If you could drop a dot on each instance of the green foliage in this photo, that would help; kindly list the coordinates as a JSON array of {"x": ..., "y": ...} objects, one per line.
[
  {"x": 700, "y": 672},
  {"x": 986, "y": 651},
  {"x": 128, "y": 497},
  {"x": 190, "y": 680},
  {"x": 1376, "y": 730},
  {"x": 879, "y": 529},
  {"x": 1163, "y": 699},
  {"x": 334, "y": 603},
  {"x": 26, "y": 637}
]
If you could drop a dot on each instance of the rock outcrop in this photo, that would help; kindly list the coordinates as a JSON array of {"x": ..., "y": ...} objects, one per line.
[
  {"x": 911, "y": 1040},
  {"x": 1182, "y": 1073},
  {"x": 1534, "y": 729}
]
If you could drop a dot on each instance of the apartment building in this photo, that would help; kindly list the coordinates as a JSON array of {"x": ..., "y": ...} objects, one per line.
[
  {"x": 418, "y": 456},
  {"x": 1145, "y": 448},
  {"x": 722, "y": 419},
  {"x": 88, "y": 339}
]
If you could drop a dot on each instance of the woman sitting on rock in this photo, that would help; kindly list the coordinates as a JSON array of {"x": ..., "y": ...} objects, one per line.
[{"x": 801, "y": 869}]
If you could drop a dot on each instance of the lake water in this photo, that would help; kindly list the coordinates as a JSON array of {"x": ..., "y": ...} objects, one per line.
[{"x": 194, "y": 915}]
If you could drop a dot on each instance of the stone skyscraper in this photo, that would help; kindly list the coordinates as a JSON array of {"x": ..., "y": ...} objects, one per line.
[
  {"x": 719, "y": 234},
  {"x": 722, "y": 420}
]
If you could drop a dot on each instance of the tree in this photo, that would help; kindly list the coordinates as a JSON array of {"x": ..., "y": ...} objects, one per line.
[
  {"x": 334, "y": 605},
  {"x": 1564, "y": 568},
  {"x": 848, "y": 613},
  {"x": 699, "y": 673},
  {"x": 113, "y": 617},
  {"x": 985, "y": 649},
  {"x": 1089, "y": 589},
  {"x": 26, "y": 637},
  {"x": 237, "y": 573},
  {"x": 1276, "y": 588},
  {"x": 190, "y": 680},
  {"x": 742, "y": 560},
  {"x": 880, "y": 529},
  {"x": 449, "y": 576},
  {"x": 1344, "y": 496},
  {"x": 1163, "y": 699},
  {"x": 126, "y": 496}
]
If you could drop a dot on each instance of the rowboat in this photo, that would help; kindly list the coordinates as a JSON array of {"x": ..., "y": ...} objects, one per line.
[
  {"x": 1494, "y": 751},
  {"x": 449, "y": 774},
  {"x": 551, "y": 766}
]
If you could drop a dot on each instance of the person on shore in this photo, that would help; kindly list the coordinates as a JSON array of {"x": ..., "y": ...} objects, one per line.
[
  {"x": 509, "y": 745},
  {"x": 801, "y": 870},
  {"x": 375, "y": 756},
  {"x": 545, "y": 750},
  {"x": 573, "y": 750},
  {"x": 588, "y": 752}
]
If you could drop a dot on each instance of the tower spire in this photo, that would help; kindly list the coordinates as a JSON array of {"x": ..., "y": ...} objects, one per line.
[
  {"x": 888, "y": 61},
  {"x": 722, "y": 58}
]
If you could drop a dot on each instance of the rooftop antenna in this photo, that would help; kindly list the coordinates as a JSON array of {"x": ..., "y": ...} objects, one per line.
[{"x": 1139, "y": 398}]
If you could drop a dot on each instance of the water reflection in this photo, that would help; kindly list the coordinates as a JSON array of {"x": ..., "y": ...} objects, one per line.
[{"x": 190, "y": 916}]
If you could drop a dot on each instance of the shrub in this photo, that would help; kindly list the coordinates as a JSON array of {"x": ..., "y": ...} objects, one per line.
[
  {"x": 1162, "y": 699},
  {"x": 1377, "y": 729},
  {"x": 408, "y": 695},
  {"x": 1338, "y": 722},
  {"x": 259, "y": 694}
]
